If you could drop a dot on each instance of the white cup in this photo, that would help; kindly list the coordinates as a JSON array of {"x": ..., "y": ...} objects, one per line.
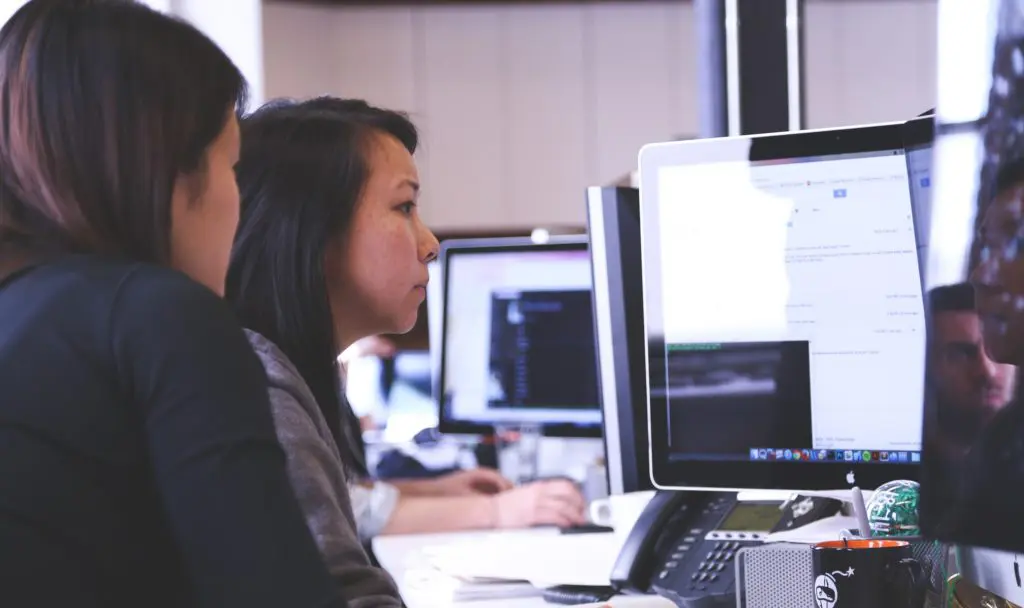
[{"x": 619, "y": 512}]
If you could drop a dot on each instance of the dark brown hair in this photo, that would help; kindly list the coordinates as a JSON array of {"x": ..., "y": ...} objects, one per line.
[
  {"x": 302, "y": 170},
  {"x": 103, "y": 104}
]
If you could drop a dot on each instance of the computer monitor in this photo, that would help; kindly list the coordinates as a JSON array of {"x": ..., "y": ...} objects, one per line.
[
  {"x": 613, "y": 217},
  {"x": 785, "y": 320},
  {"x": 518, "y": 337}
]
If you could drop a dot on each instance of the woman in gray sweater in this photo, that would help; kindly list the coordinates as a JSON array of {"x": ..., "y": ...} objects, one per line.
[{"x": 330, "y": 249}]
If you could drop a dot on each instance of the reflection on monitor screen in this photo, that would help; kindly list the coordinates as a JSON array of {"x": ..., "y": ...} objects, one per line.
[
  {"x": 519, "y": 338},
  {"x": 974, "y": 451}
]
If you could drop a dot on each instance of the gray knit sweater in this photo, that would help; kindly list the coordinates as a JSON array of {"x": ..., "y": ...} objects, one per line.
[{"x": 316, "y": 473}]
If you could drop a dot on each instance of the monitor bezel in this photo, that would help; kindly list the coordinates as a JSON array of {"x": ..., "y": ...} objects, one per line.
[
  {"x": 738, "y": 475},
  {"x": 625, "y": 417},
  {"x": 455, "y": 247}
]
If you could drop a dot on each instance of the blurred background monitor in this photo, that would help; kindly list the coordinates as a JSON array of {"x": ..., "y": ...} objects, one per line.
[
  {"x": 613, "y": 215},
  {"x": 517, "y": 339}
]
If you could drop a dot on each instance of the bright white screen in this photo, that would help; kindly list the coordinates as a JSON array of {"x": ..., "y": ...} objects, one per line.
[
  {"x": 472, "y": 278},
  {"x": 821, "y": 250}
]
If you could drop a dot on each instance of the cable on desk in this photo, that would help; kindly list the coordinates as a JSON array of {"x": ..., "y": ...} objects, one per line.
[{"x": 570, "y": 595}]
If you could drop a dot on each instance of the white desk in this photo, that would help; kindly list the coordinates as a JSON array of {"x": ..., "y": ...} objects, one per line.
[{"x": 407, "y": 559}]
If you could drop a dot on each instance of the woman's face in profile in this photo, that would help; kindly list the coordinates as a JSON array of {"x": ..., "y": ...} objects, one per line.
[
  {"x": 998, "y": 278},
  {"x": 377, "y": 274},
  {"x": 204, "y": 212}
]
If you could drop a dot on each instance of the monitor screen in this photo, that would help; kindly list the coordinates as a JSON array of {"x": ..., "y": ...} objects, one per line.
[
  {"x": 518, "y": 337},
  {"x": 785, "y": 318}
]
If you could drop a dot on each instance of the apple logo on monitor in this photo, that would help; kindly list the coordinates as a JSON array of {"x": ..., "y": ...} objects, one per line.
[{"x": 850, "y": 479}]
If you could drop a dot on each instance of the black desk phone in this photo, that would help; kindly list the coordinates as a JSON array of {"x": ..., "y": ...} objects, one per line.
[{"x": 683, "y": 546}]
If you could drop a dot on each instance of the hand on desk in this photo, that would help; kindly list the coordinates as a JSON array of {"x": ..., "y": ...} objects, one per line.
[{"x": 553, "y": 502}]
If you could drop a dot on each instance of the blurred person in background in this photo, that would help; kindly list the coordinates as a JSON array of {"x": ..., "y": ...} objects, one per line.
[{"x": 969, "y": 387}]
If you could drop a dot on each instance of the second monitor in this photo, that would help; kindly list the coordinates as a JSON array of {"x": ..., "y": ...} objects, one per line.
[{"x": 518, "y": 339}]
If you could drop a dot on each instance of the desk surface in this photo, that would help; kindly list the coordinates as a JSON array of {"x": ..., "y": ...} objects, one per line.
[{"x": 408, "y": 559}]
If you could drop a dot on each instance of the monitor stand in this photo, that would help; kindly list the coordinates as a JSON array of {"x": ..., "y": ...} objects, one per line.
[{"x": 993, "y": 571}]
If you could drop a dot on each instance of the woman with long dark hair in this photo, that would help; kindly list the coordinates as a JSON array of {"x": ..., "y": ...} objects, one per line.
[
  {"x": 331, "y": 249},
  {"x": 138, "y": 459}
]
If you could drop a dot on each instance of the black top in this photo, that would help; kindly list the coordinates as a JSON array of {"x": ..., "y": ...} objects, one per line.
[{"x": 138, "y": 460}]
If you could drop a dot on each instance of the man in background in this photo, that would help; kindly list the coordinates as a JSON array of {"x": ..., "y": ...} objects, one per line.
[{"x": 969, "y": 387}]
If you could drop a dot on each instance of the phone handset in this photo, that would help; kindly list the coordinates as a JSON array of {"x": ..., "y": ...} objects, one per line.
[{"x": 636, "y": 563}]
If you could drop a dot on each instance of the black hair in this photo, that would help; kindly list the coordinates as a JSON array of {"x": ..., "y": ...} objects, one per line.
[
  {"x": 103, "y": 104},
  {"x": 957, "y": 297},
  {"x": 302, "y": 170}
]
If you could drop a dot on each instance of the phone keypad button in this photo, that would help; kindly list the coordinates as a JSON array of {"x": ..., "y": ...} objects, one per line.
[
  {"x": 677, "y": 555},
  {"x": 695, "y": 576},
  {"x": 711, "y": 556},
  {"x": 705, "y": 566},
  {"x": 663, "y": 575},
  {"x": 703, "y": 577},
  {"x": 712, "y": 577},
  {"x": 719, "y": 567},
  {"x": 671, "y": 564},
  {"x": 690, "y": 539}
]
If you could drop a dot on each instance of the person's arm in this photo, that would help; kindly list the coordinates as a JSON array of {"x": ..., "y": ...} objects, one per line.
[
  {"x": 460, "y": 483},
  {"x": 317, "y": 477},
  {"x": 416, "y": 514},
  {"x": 218, "y": 468},
  {"x": 381, "y": 509},
  {"x": 415, "y": 487}
]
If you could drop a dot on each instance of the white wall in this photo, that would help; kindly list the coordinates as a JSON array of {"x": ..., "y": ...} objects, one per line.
[
  {"x": 869, "y": 60},
  {"x": 522, "y": 107},
  {"x": 236, "y": 25}
]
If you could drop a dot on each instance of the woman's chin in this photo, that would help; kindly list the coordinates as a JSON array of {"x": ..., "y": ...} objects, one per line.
[{"x": 404, "y": 325}]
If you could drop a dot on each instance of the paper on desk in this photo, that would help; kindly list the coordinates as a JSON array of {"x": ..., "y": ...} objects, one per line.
[
  {"x": 822, "y": 530},
  {"x": 545, "y": 561},
  {"x": 438, "y": 588},
  {"x": 632, "y": 601}
]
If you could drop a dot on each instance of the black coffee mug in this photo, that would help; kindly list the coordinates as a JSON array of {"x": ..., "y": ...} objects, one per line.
[{"x": 866, "y": 573}]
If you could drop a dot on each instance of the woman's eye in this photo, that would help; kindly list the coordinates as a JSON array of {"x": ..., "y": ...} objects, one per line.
[{"x": 407, "y": 208}]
